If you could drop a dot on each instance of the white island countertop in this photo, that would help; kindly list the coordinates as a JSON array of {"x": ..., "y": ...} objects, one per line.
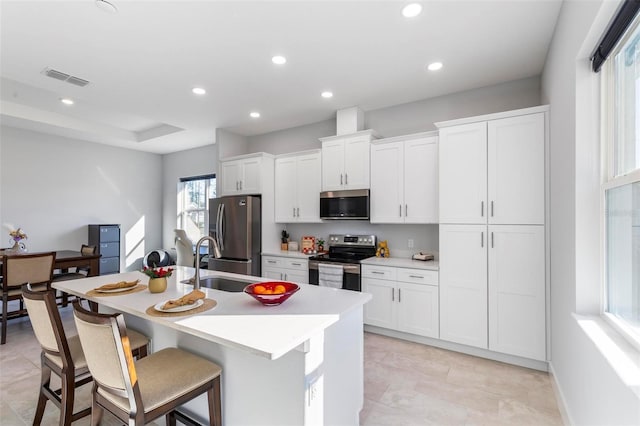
[
  {"x": 238, "y": 321},
  {"x": 399, "y": 262}
]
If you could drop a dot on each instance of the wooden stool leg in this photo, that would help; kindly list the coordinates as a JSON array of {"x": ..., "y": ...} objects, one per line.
[{"x": 42, "y": 398}]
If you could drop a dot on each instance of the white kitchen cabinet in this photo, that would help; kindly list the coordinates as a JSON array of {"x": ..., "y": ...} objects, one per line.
[
  {"x": 297, "y": 187},
  {"x": 493, "y": 171},
  {"x": 404, "y": 179},
  {"x": 516, "y": 290},
  {"x": 463, "y": 284},
  {"x": 345, "y": 161},
  {"x": 492, "y": 234},
  {"x": 286, "y": 269},
  {"x": 244, "y": 174},
  {"x": 402, "y": 299}
]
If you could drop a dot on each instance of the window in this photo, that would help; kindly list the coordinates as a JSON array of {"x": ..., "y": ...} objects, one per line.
[
  {"x": 193, "y": 204},
  {"x": 621, "y": 187}
]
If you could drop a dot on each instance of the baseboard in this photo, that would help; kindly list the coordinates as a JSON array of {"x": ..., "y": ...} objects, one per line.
[
  {"x": 560, "y": 400},
  {"x": 469, "y": 350}
]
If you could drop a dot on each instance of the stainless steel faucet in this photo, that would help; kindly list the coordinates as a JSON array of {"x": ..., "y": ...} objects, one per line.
[{"x": 216, "y": 253}]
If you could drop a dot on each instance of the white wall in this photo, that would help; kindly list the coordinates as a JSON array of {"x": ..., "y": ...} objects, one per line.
[
  {"x": 294, "y": 139},
  {"x": 193, "y": 162},
  {"x": 230, "y": 144},
  {"x": 592, "y": 392},
  {"x": 53, "y": 187}
]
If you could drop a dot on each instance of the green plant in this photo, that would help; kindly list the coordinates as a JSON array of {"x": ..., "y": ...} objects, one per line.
[{"x": 285, "y": 236}]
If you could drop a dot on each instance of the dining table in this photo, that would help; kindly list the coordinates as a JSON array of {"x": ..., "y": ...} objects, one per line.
[{"x": 66, "y": 259}]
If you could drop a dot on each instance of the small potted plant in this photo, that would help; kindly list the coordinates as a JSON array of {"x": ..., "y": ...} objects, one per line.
[
  {"x": 284, "y": 240},
  {"x": 157, "y": 278},
  {"x": 320, "y": 245}
]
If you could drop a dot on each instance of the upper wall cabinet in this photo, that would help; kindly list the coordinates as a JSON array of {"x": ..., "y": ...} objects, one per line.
[
  {"x": 404, "y": 179},
  {"x": 297, "y": 187},
  {"x": 493, "y": 171},
  {"x": 345, "y": 161},
  {"x": 245, "y": 174}
]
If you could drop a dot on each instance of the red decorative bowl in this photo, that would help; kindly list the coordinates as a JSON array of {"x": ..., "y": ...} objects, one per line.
[{"x": 264, "y": 292}]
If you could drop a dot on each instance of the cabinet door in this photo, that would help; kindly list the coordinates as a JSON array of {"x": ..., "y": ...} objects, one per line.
[
  {"x": 356, "y": 163},
  {"x": 299, "y": 277},
  {"x": 308, "y": 176},
  {"x": 387, "y": 183},
  {"x": 463, "y": 284},
  {"x": 421, "y": 180},
  {"x": 380, "y": 311},
  {"x": 251, "y": 176},
  {"x": 517, "y": 290},
  {"x": 463, "y": 173},
  {"x": 274, "y": 274},
  {"x": 332, "y": 165},
  {"x": 516, "y": 170},
  {"x": 230, "y": 177},
  {"x": 285, "y": 189},
  {"x": 418, "y": 309}
]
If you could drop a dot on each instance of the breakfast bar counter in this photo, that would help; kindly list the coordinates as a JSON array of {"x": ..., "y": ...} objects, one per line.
[{"x": 298, "y": 363}]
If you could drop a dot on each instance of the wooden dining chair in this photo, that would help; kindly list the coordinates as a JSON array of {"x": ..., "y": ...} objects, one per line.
[
  {"x": 152, "y": 387},
  {"x": 76, "y": 273},
  {"x": 62, "y": 355},
  {"x": 19, "y": 269}
]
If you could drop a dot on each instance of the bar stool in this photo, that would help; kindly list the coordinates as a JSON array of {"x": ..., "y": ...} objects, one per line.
[
  {"x": 155, "y": 386},
  {"x": 62, "y": 355}
]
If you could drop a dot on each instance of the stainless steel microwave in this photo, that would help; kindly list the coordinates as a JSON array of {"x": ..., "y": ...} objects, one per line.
[{"x": 350, "y": 204}]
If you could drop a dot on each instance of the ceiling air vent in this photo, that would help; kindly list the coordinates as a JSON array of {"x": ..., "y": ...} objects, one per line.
[{"x": 58, "y": 75}]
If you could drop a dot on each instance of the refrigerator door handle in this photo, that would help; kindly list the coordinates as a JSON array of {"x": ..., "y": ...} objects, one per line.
[
  {"x": 218, "y": 225},
  {"x": 221, "y": 236}
]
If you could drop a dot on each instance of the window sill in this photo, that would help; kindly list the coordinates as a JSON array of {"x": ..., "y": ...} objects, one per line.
[{"x": 623, "y": 357}]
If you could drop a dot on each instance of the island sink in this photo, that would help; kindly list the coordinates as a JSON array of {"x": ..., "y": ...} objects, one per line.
[{"x": 222, "y": 283}]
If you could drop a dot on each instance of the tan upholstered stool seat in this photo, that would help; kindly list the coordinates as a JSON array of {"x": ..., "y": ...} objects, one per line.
[{"x": 166, "y": 375}]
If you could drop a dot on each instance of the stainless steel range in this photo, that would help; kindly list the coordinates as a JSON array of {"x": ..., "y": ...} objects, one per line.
[{"x": 348, "y": 251}]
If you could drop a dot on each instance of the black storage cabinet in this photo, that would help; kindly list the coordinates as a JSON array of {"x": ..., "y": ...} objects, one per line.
[{"x": 107, "y": 239}]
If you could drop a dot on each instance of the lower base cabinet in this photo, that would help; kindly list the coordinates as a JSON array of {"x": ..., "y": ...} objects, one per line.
[
  {"x": 286, "y": 269},
  {"x": 403, "y": 299}
]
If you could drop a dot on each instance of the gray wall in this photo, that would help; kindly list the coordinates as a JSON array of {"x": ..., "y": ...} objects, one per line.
[
  {"x": 53, "y": 187},
  {"x": 590, "y": 387},
  {"x": 193, "y": 162}
]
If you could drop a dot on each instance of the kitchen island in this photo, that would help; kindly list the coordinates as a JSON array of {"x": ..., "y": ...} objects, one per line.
[{"x": 299, "y": 363}]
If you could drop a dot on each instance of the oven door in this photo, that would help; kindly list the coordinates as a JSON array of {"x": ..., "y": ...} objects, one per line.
[{"x": 350, "y": 279}]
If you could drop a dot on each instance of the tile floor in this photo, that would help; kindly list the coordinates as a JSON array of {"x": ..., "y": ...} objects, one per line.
[{"x": 405, "y": 384}]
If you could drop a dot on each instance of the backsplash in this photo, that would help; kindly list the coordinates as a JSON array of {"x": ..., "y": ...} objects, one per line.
[{"x": 425, "y": 237}]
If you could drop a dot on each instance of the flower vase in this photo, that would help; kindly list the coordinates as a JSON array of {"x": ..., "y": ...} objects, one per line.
[
  {"x": 157, "y": 285},
  {"x": 18, "y": 247}
]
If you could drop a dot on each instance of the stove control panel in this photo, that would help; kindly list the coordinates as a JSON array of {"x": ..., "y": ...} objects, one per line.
[{"x": 352, "y": 240}]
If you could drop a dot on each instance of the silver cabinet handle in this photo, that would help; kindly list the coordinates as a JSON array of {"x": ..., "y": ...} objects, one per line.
[
  {"x": 491, "y": 208},
  {"x": 482, "y": 208},
  {"x": 346, "y": 179},
  {"x": 294, "y": 212},
  {"x": 377, "y": 272},
  {"x": 285, "y": 277},
  {"x": 416, "y": 276},
  {"x": 281, "y": 276},
  {"x": 240, "y": 184},
  {"x": 298, "y": 211},
  {"x": 399, "y": 296},
  {"x": 340, "y": 178},
  {"x": 482, "y": 239},
  {"x": 491, "y": 239},
  {"x": 296, "y": 264},
  {"x": 400, "y": 210},
  {"x": 237, "y": 185},
  {"x": 393, "y": 294},
  {"x": 406, "y": 210},
  {"x": 271, "y": 261}
]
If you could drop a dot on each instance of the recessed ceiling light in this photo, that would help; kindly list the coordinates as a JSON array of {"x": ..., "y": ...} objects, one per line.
[
  {"x": 106, "y": 6},
  {"x": 254, "y": 114},
  {"x": 279, "y": 60},
  {"x": 412, "y": 10},
  {"x": 327, "y": 94},
  {"x": 198, "y": 91},
  {"x": 435, "y": 66},
  {"x": 67, "y": 101}
]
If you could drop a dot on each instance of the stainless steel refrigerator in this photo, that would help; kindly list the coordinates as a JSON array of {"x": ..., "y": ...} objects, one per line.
[{"x": 234, "y": 222}]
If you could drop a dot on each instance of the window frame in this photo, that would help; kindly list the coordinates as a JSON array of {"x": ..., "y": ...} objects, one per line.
[
  {"x": 181, "y": 201},
  {"x": 610, "y": 181}
]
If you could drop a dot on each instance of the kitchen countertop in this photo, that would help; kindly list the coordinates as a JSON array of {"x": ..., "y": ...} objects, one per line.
[
  {"x": 238, "y": 320},
  {"x": 285, "y": 253},
  {"x": 400, "y": 262}
]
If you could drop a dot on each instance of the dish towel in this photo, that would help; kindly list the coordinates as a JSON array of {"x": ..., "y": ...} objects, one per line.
[{"x": 330, "y": 275}]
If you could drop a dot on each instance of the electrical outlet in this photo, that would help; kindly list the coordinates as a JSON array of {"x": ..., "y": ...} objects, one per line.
[{"x": 410, "y": 243}]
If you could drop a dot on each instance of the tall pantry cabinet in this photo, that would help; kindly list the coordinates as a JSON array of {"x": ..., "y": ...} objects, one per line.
[{"x": 492, "y": 232}]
